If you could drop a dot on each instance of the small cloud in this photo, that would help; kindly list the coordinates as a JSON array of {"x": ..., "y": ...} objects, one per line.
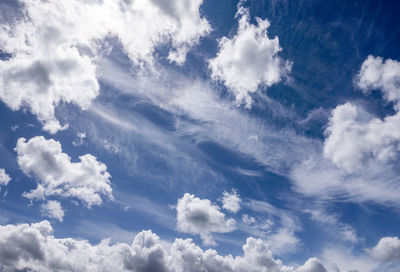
[
  {"x": 200, "y": 216},
  {"x": 52, "y": 209},
  {"x": 231, "y": 201}
]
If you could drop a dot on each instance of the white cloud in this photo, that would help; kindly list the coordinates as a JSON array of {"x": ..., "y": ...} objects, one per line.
[
  {"x": 248, "y": 220},
  {"x": 80, "y": 137},
  {"x": 312, "y": 265},
  {"x": 53, "y": 209},
  {"x": 387, "y": 250},
  {"x": 354, "y": 138},
  {"x": 55, "y": 45},
  {"x": 56, "y": 175},
  {"x": 33, "y": 247},
  {"x": 231, "y": 201},
  {"x": 249, "y": 59},
  {"x": 200, "y": 216},
  {"x": 379, "y": 74},
  {"x": 4, "y": 177}
]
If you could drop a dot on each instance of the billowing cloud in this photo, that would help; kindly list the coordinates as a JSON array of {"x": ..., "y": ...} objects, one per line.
[
  {"x": 53, "y": 209},
  {"x": 4, "y": 177},
  {"x": 86, "y": 180},
  {"x": 312, "y": 265},
  {"x": 33, "y": 247},
  {"x": 354, "y": 137},
  {"x": 231, "y": 201},
  {"x": 379, "y": 74},
  {"x": 387, "y": 250},
  {"x": 200, "y": 216},
  {"x": 249, "y": 59},
  {"x": 54, "y": 46}
]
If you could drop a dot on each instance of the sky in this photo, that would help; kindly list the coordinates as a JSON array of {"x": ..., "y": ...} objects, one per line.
[{"x": 199, "y": 135}]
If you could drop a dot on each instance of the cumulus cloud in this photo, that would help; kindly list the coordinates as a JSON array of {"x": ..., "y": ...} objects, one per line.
[
  {"x": 53, "y": 209},
  {"x": 387, "y": 250},
  {"x": 231, "y": 201},
  {"x": 354, "y": 138},
  {"x": 312, "y": 265},
  {"x": 4, "y": 177},
  {"x": 200, "y": 216},
  {"x": 379, "y": 74},
  {"x": 33, "y": 247},
  {"x": 249, "y": 59},
  {"x": 54, "y": 46},
  {"x": 86, "y": 180}
]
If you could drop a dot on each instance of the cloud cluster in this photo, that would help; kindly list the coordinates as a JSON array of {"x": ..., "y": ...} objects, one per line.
[
  {"x": 34, "y": 248},
  {"x": 231, "y": 201},
  {"x": 54, "y": 46},
  {"x": 249, "y": 59},
  {"x": 86, "y": 180},
  {"x": 354, "y": 136},
  {"x": 360, "y": 151},
  {"x": 200, "y": 216},
  {"x": 4, "y": 177}
]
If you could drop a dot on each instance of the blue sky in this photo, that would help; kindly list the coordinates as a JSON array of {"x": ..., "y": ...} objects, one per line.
[{"x": 199, "y": 135}]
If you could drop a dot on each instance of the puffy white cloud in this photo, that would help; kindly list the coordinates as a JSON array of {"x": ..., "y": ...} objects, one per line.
[
  {"x": 312, "y": 265},
  {"x": 56, "y": 175},
  {"x": 33, "y": 247},
  {"x": 379, "y": 74},
  {"x": 53, "y": 209},
  {"x": 387, "y": 250},
  {"x": 354, "y": 138},
  {"x": 231, "y": 201},
  {"x": 200, "y": 216},
  {"x": 4, "y": 177},
  {"x": 249, "y": 59},
  {"x": 54, "y": 47}
]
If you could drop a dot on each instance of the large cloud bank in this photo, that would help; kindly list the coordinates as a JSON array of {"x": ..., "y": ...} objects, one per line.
[{"x": 33, "y": 247}]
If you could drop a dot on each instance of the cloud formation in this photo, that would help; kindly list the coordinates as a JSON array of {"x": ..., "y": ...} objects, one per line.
[
  {"x": 33, "y": 247},
  {"x": 360, "y": 151},
  {"x": 54, "y": 46},
  {"x": 53, "y": 209},
  {"x": 249, "y": 59},
  {"x": 379, "y": 74},
  {"x": 231, "y": 201},
  {"x": 200, "y": 216},
  {"x": 387, "y": 250},
  {"x": 4, "y": 177},
  {"x": 354, "y": 136},
  {"x": 86, "y": 180}
]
